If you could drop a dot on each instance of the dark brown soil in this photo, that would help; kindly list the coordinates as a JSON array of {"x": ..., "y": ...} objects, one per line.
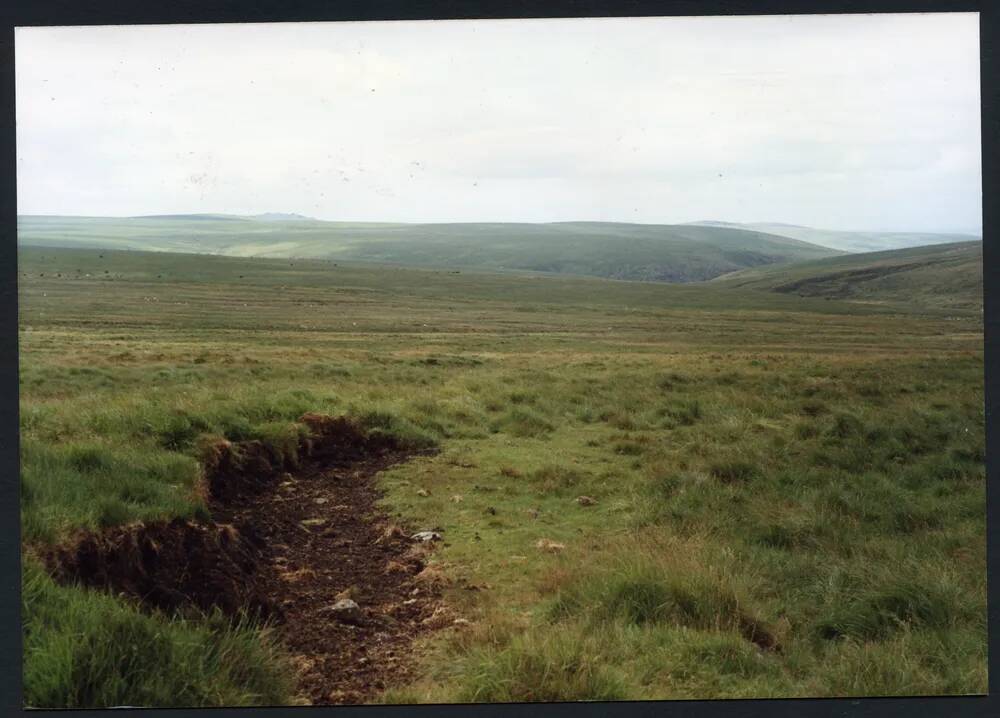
[
  {"x": 286, "y": 545},
  {"x": 170, "y": 565}
]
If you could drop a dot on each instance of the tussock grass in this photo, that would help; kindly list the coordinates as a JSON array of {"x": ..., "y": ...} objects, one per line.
[
  {"x": 741, "y": 475},
  {"x": 85, "y": 649}
]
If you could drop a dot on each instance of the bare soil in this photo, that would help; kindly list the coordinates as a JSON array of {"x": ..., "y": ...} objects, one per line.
[{"x": 289, "y": 537}]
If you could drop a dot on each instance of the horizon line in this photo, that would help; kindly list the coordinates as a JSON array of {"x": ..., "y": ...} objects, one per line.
[{"x": 748, "y": 226}]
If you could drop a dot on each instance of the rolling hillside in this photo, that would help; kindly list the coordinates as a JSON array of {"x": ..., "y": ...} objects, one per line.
[
  {"x": 672, "y": 253},
  {"x": 939, "y": 276},
  {"x": 848, "y": 241}
]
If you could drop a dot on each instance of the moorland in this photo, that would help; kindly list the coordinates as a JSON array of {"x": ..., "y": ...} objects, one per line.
[{"x": 766, "y": 485}]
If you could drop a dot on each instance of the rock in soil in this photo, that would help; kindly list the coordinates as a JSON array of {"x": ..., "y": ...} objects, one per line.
[
  {"x": 425, "y": 536},
  {"x": 346, "y": 611}
]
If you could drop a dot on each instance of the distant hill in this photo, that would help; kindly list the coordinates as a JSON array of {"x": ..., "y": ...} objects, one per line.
[
  {"x": 847, "y": 241},
  {"x": 280, "y": 217},
  {"x": 672, "y": 253},
  {"x": 944, "y": 276}
]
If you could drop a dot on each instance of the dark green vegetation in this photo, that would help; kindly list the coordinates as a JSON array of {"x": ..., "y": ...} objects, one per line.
[
  {"x": 849, "y": 241},
  {"x": 673, "y": 253},
  {"x": 83, "y": 648},
  {"x": 790, "y": 495},
  {"x": 943, "y": 276}
]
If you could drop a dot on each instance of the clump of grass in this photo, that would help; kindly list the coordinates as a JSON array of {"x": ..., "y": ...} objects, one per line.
[
  {"x": 628, "y": 448},
  {"x": 555, "y": 478},
  {"x": 845, "y": 426},
  {"x": 806, "y": 430},
  {"x": 911, "y": 662},
  {"x": 733, "y": 470},
  {"x": 697, "y": 600},
  {"x": 179, "y": 429},
  {"x": 407, "y": 434},
  {"x": 94, "y": 485},
  {"x": 524, "y": 422},
  {"x": 671, "y": 380},
  {"x": 882, "y": 610},
  {"x": 683, "y": 413},
  {"x": 565, "y": 666},
  {"x": 112, "y": 512},
  {"x": 725, "y": 654},
  {"x": 283, "y": 438},
  {"x": 622, "y": 419},
  {"x": 813, "y": 408},
  {"x": 84, "y": 649},
  {"x": 645, "y": 590}
]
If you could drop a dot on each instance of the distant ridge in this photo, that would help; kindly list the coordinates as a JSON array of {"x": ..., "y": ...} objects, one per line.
[
  {"x": 614, "y": 250},
  {"x": 848, "y": 241},
  {"x": 264, "y": 217},
  {"x": 935, "y": 276},
  {"x": 280, "y": 217},
  {"x": 186, "y": 216}
]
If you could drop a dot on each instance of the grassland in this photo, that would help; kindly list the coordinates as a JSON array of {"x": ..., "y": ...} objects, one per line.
[
  {"x": 676, "y": 253},
  {"x": 851, "y": 241},
  {"x": 806, "y": 468},
  {"x": 943, "y": 276}
]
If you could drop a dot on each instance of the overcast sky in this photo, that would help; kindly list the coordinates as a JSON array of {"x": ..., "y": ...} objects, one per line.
[{"x": 842, "y": 122}]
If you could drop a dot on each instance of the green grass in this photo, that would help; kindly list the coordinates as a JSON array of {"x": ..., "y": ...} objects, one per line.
[
  {"x": 851, "y": 241},
  {"x": 84, "y": 649},
  {"x": 811, "y": 467},
  {"x": 946, "y": 276},
  {"x": 675, "y": 253}
]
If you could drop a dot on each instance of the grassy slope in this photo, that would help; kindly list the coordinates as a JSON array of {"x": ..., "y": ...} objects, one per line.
[
  {"x": 832, "y": 489},
  {"x": 625, "y": 251},
  {"x": 849, "y": 241},
  {"x": 946, "y": 276}
]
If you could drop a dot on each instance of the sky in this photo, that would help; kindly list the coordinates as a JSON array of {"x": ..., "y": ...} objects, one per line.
[{"x": 868, "y": 122}]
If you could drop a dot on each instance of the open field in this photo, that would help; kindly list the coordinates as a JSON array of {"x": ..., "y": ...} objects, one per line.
[{"x": 787, "y": 493}]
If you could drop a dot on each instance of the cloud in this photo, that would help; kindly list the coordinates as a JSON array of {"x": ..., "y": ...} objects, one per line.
[{"x": 804, "y": 119}]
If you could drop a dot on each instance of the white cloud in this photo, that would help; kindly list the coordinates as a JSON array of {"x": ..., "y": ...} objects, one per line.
[{"x": 837, "y": 121}]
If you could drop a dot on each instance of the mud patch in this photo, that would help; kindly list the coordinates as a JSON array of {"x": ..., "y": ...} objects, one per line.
[
  {"x": 290, "y": 536},
  {"x": 170, "y": 565}
]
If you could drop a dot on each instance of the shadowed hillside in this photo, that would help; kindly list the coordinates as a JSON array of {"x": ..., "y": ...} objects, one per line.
[
  {"x": 940, "y": 276},
  {"x": 848, "y": 241}
]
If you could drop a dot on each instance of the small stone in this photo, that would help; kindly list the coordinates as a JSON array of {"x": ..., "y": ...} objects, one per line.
[
  {"x": 425, "y": 536},
  {"x": 549, "y": 545},
  {"x": 313, "y": 522},
  {"x": 346, "y": 611},
  {"x": 585, "y": 501},
  {"x": 320, "y": 501},
  {"x": 423, "y": 492},
  {"x": 456, "y": 499}
]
